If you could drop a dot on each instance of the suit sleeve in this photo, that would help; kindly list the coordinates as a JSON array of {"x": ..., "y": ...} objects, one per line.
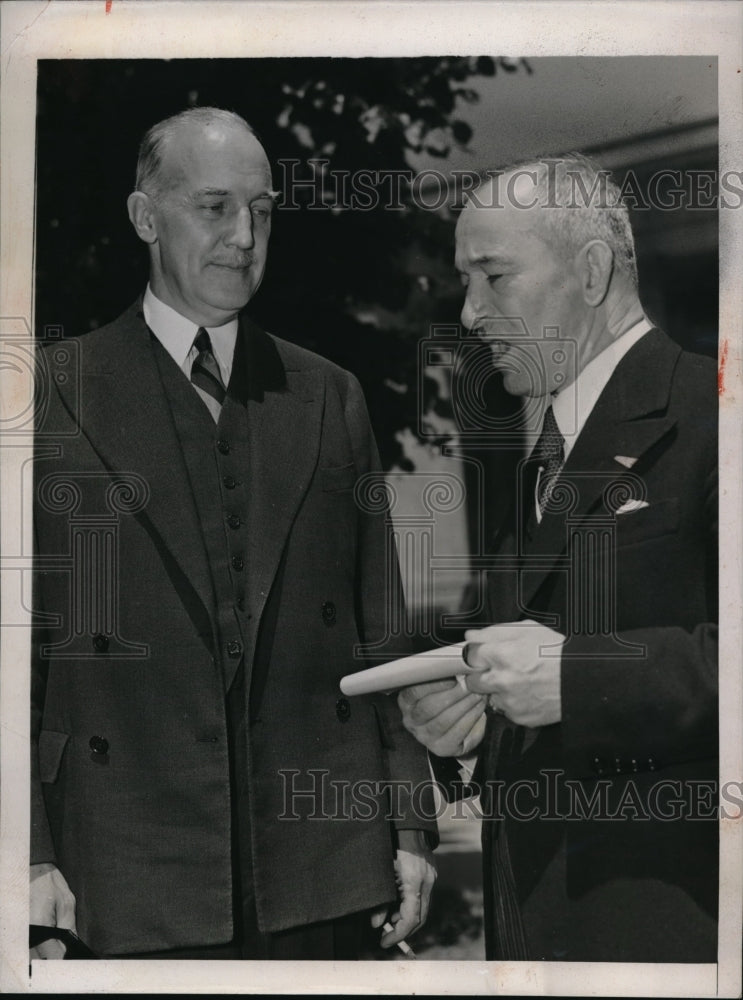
[
  {"x": 656, "y": 710},
  {"x": 379, "y": 605}
]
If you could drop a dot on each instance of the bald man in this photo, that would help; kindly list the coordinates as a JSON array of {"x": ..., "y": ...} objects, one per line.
[
  {"x": 189, "y": 738},
  {"x": 593, "y": 706}
]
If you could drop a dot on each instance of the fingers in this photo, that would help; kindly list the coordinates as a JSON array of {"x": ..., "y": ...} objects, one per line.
[
  {"x": 489, "y": 682},
  {"x": 49, "y": 950},
  {"x": 447, "y": 731},
  {"x": 406, "y": 920},
  {"x": 416, "y": 874},
  {"x": 410, "y": 696},
  {"x": 379, "y": 916},
  {"x": 440, "y": 715},
  {"x": 426, "y": 892},
  {"x": 64, "y": 902},
  {"x": 51, "y": 904}
]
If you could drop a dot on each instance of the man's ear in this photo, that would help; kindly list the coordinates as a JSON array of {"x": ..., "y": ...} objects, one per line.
[
  {"x": 597, "y": 267},
  {"x": 142, "y": 216}
]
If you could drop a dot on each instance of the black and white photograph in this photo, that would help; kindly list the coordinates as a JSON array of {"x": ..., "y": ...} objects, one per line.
[{"x": 370, "y": 431}]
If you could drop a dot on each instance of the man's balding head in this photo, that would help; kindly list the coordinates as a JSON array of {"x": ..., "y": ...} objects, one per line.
[{"x": 158, "y": 138}]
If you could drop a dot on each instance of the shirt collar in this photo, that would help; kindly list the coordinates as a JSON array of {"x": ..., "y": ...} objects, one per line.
[
  {"x": 573, "y": 405},
  {"x": 177, "y": 333}
]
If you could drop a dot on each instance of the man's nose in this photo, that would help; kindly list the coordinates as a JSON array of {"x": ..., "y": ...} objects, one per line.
[
  {"x": 241, "y": 233},
  {"x": 471, "y": 309}
]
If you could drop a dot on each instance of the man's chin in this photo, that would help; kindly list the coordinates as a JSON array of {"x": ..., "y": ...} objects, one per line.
[{"x": 518, "y": 383}]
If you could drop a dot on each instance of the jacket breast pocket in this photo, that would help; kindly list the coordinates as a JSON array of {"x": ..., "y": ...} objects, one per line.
[
  {"x": 51, "y": 750},
  {"x": 660, "y": 518},
  {"x": 337, "y": 479}
]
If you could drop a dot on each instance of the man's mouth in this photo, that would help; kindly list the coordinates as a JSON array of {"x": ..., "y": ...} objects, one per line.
[{"x": 233, "y": 265}]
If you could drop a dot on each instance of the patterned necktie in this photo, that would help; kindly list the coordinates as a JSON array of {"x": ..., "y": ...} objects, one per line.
[
  {"x": 205, "y": 374},
  {"x": 549, "y": 453}
]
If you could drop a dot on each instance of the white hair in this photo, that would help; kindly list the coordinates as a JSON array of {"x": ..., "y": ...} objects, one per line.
[{"x": 579, "y": 202}]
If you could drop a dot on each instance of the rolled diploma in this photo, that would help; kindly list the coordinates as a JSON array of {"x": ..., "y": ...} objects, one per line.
[{"x": 433, "y": 665}]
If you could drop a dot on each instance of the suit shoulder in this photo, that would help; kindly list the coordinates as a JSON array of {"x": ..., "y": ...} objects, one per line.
[
  {"x": 93, "y": 339},
  {"x": 296, "y": 358},
  {"x": 695, "y": 380}
]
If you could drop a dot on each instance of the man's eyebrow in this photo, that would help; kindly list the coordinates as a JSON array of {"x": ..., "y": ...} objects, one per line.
[
  {"x": 210, "y": 193},
  {"x": 223, "y": 193},
  {"x": 487, "y": 258}
]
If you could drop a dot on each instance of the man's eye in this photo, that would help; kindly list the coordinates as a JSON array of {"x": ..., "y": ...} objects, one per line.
[
  {"x": 261, "y": 211},
  {"x": 214, "y": 208},
  {"x": 492, "y": 278}
]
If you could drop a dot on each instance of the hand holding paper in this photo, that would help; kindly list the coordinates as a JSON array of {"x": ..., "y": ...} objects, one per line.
[
  {"x": 518, "y": 668},
  {"x": 436, "y": 708},
  {"x": 444, "y": 716}
]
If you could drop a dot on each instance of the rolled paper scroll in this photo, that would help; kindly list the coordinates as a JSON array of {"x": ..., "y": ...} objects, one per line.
[{"x": 433, "y": 665}]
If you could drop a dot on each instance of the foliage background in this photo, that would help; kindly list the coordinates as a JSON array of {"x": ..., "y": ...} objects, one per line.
[{"x": 360, "y": 287}]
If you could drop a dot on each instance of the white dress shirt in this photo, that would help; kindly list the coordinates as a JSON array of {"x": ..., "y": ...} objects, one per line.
[
  {"x": 572, "y": 405},
  {"x": 177, "y": 335}
]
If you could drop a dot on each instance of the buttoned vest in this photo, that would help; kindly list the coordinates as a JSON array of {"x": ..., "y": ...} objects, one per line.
[{"x": 216, "y": 457}]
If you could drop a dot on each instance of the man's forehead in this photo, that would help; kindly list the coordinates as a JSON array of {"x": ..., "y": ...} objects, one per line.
[
  {"x": 487, "y": 229},
  {"x": 194, "y": 147}
]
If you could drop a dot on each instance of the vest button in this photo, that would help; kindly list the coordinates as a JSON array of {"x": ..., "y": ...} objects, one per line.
[
  {"x": 98, "y": 744},
  {"x": 100, "y": 643},
  {"x": 238, "y": 563},
  {"x": 234, "y": 521},
  {"x": 223, "y": 447},
  {"x": 343, "y": 710},
  {"x": 230, "y": 482},
  {"x": 329, "y": 614},
  {"x": 234, "y": 648}
]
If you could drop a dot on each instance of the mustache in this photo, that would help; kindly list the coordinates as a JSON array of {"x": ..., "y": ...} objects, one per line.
[{"x": 245, "y": 260}]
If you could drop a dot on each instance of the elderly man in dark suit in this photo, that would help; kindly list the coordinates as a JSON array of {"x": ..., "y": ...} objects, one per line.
[
  {"x": 194, "y": 767},
  {"x": 594, "y": 703}
]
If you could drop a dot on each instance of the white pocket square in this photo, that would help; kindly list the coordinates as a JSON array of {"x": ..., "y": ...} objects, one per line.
[
  {"x": 631, "y": 505},
  {"x": 625, "y": 460}
]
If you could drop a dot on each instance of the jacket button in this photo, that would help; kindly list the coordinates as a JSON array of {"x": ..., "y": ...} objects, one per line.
[
  {"x": 343, "y": 710},
  {"x": 618, "y": 765},
  {"x": 98, "y": 744},
  {"x": 223, "y": 447},
  {"x": 238, "y": 563},
  {"x": 329, "y": 614},
  {"x": 598, "y": 765},
  {"x": 234, "y": 521},
  {"x": 652, "y": 765},
  {"x": 100, "y": 643},
  {"x": 230, "y": 482},
  {"x": 234, "y": 648}
]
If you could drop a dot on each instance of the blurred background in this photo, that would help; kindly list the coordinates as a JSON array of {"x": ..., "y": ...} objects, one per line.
[{"x": 372, "y": 156}]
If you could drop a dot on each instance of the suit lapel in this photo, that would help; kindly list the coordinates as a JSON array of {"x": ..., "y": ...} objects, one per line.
[
  {"x": 285, "y": 407},
  {"x": 126, "y": 417},
  {"x": 629, "y": 419}
]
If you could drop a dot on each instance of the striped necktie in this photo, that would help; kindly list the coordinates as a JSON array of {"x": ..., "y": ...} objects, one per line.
[
  {"x": 205, "y": 374},
  {"x": 549, "y": 453}
]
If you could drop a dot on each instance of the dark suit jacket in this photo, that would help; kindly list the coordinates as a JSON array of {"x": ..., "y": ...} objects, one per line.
[
  {"x": 142, "y": 832},
  {"x": 634, "y": 889}
]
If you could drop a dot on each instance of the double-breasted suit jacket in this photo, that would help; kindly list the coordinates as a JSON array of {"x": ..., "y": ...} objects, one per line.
[
  {"x": 131, "y": 771},
  {"x": 633, "y": 877}
]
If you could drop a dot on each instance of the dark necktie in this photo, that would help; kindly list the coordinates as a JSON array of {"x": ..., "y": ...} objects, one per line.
[
  {"x": 205, "y": 373},
  {"x": 549, "y": 454}
]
